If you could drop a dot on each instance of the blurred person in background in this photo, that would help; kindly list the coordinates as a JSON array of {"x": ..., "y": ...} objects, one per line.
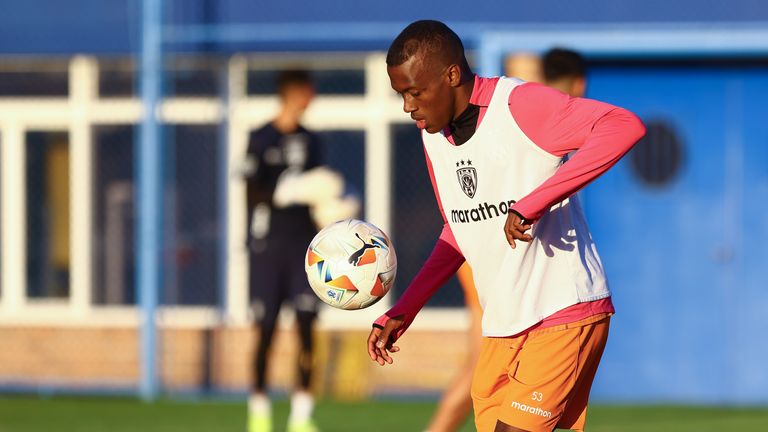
[
  {"x": 280, "y": 229},
  {"x": 565, "y": 70},
  {"x": 495, "y": 149},
  {"x": 523, "y": 65}
]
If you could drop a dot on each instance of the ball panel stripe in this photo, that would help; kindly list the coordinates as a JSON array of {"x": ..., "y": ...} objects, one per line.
[
  {"x": 313, "y": 258},
  {"x": 378, "y": 288},
  {"x": 343, "y": 282},
  {"x": 368, "y": 257},
  {"x": 379, "y": 241}
]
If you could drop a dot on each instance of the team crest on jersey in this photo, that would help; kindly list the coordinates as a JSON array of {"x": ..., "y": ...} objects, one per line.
[{"x": 467, "y": 178}]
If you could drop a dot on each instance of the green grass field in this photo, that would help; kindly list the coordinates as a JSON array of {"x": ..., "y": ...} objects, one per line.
[{"x": 28, "y": 414}]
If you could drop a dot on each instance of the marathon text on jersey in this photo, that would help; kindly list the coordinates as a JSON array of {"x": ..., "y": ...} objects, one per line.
[{"x": 482, "y": 212}]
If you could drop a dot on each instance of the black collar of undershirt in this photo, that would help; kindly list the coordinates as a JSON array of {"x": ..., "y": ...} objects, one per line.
[{"x": 463, "y": 127}]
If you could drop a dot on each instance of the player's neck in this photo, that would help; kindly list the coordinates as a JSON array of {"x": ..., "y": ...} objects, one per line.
[{"x": 464, "y": 95}]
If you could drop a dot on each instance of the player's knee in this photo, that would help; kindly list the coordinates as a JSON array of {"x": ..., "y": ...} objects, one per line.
[
  {"x": 503, "y": 427},
  {"x": 258, "y": 311},
  {"x": 306, "y": 304}
]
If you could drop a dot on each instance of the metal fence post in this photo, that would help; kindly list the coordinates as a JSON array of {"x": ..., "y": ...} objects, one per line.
[{"x": 150, "y": 186}]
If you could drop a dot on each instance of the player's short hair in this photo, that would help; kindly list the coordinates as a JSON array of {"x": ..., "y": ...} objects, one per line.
[
  {"x": 427, "y": 37},
  {"x": 292, "y": 77},
  {"x": 560, "y": 63}
]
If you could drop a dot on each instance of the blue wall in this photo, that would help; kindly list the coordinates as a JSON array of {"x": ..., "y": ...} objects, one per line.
[
  {"x": 496, "y": 11},
  {"x": 49, "y": 26},
  {"x": 93, "y": 26},
  {"x": 686, "y": 258}
]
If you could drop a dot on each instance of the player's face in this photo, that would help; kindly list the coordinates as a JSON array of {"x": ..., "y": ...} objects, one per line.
[
  {"x": 426, "y": 91},
  {"x": 299, "y": 96}
]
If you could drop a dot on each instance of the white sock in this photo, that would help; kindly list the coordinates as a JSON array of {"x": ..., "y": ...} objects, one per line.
[
  {"x": 302, "y": 404},
  {"x": 259, "y": 404}
]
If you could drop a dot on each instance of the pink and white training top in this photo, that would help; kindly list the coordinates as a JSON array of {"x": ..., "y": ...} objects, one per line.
[{"x": 514, "y": 162}]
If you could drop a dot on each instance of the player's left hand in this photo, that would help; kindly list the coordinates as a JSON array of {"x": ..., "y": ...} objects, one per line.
[{"x": 515, "y": 228}]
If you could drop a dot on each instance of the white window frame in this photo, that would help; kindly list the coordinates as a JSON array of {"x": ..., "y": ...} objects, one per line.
[{"x": 373, "y": 112}]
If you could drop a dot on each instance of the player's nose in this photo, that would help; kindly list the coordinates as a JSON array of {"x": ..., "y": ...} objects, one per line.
[{"x": 408, "y": 105}]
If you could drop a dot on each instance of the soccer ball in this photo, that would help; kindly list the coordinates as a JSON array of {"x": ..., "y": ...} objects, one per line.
[{"x": 350, "y": 264}]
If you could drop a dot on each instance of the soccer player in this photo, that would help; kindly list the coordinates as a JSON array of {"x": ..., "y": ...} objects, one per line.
[
  {"x": 523, "y": 65},
  {"x": 277, "y": 239},
  {"x": 565, "y": 70},
  {"x": 495, "y": 150}
]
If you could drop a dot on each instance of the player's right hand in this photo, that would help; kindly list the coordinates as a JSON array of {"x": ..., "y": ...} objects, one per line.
[{"x": 381, "y": 341}]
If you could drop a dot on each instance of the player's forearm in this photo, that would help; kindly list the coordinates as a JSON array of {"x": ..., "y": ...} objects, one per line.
[
  {"x": 611, "y": 138},
  {"x": 442, "y": 263}
]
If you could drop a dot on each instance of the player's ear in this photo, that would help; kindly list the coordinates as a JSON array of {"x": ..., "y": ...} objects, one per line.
[{"x": 453, "y": 75}]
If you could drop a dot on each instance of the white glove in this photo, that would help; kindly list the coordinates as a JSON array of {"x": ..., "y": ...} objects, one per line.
[
  {"x": 312, "y": 187},
  {"x": 246, "y": 168},
  {"x": 334, "y": 210}
]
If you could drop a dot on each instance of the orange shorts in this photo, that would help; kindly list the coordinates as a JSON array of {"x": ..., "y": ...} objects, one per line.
[{"x": 540, "y": 380}]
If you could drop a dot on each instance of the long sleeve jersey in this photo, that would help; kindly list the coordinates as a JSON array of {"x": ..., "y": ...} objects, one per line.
[{"x": 554, "y": 125}]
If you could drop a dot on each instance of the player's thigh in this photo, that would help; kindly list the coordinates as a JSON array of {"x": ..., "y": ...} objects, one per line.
[
  {"x": 491, "y": 379},
  {"x": 541, "y": 380},
  {"x": 267, "y": 286},
  {"x": 305, "y": 301},
  {"x": 592, "y": 341},
  {"x": 502, "y": 427}
]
